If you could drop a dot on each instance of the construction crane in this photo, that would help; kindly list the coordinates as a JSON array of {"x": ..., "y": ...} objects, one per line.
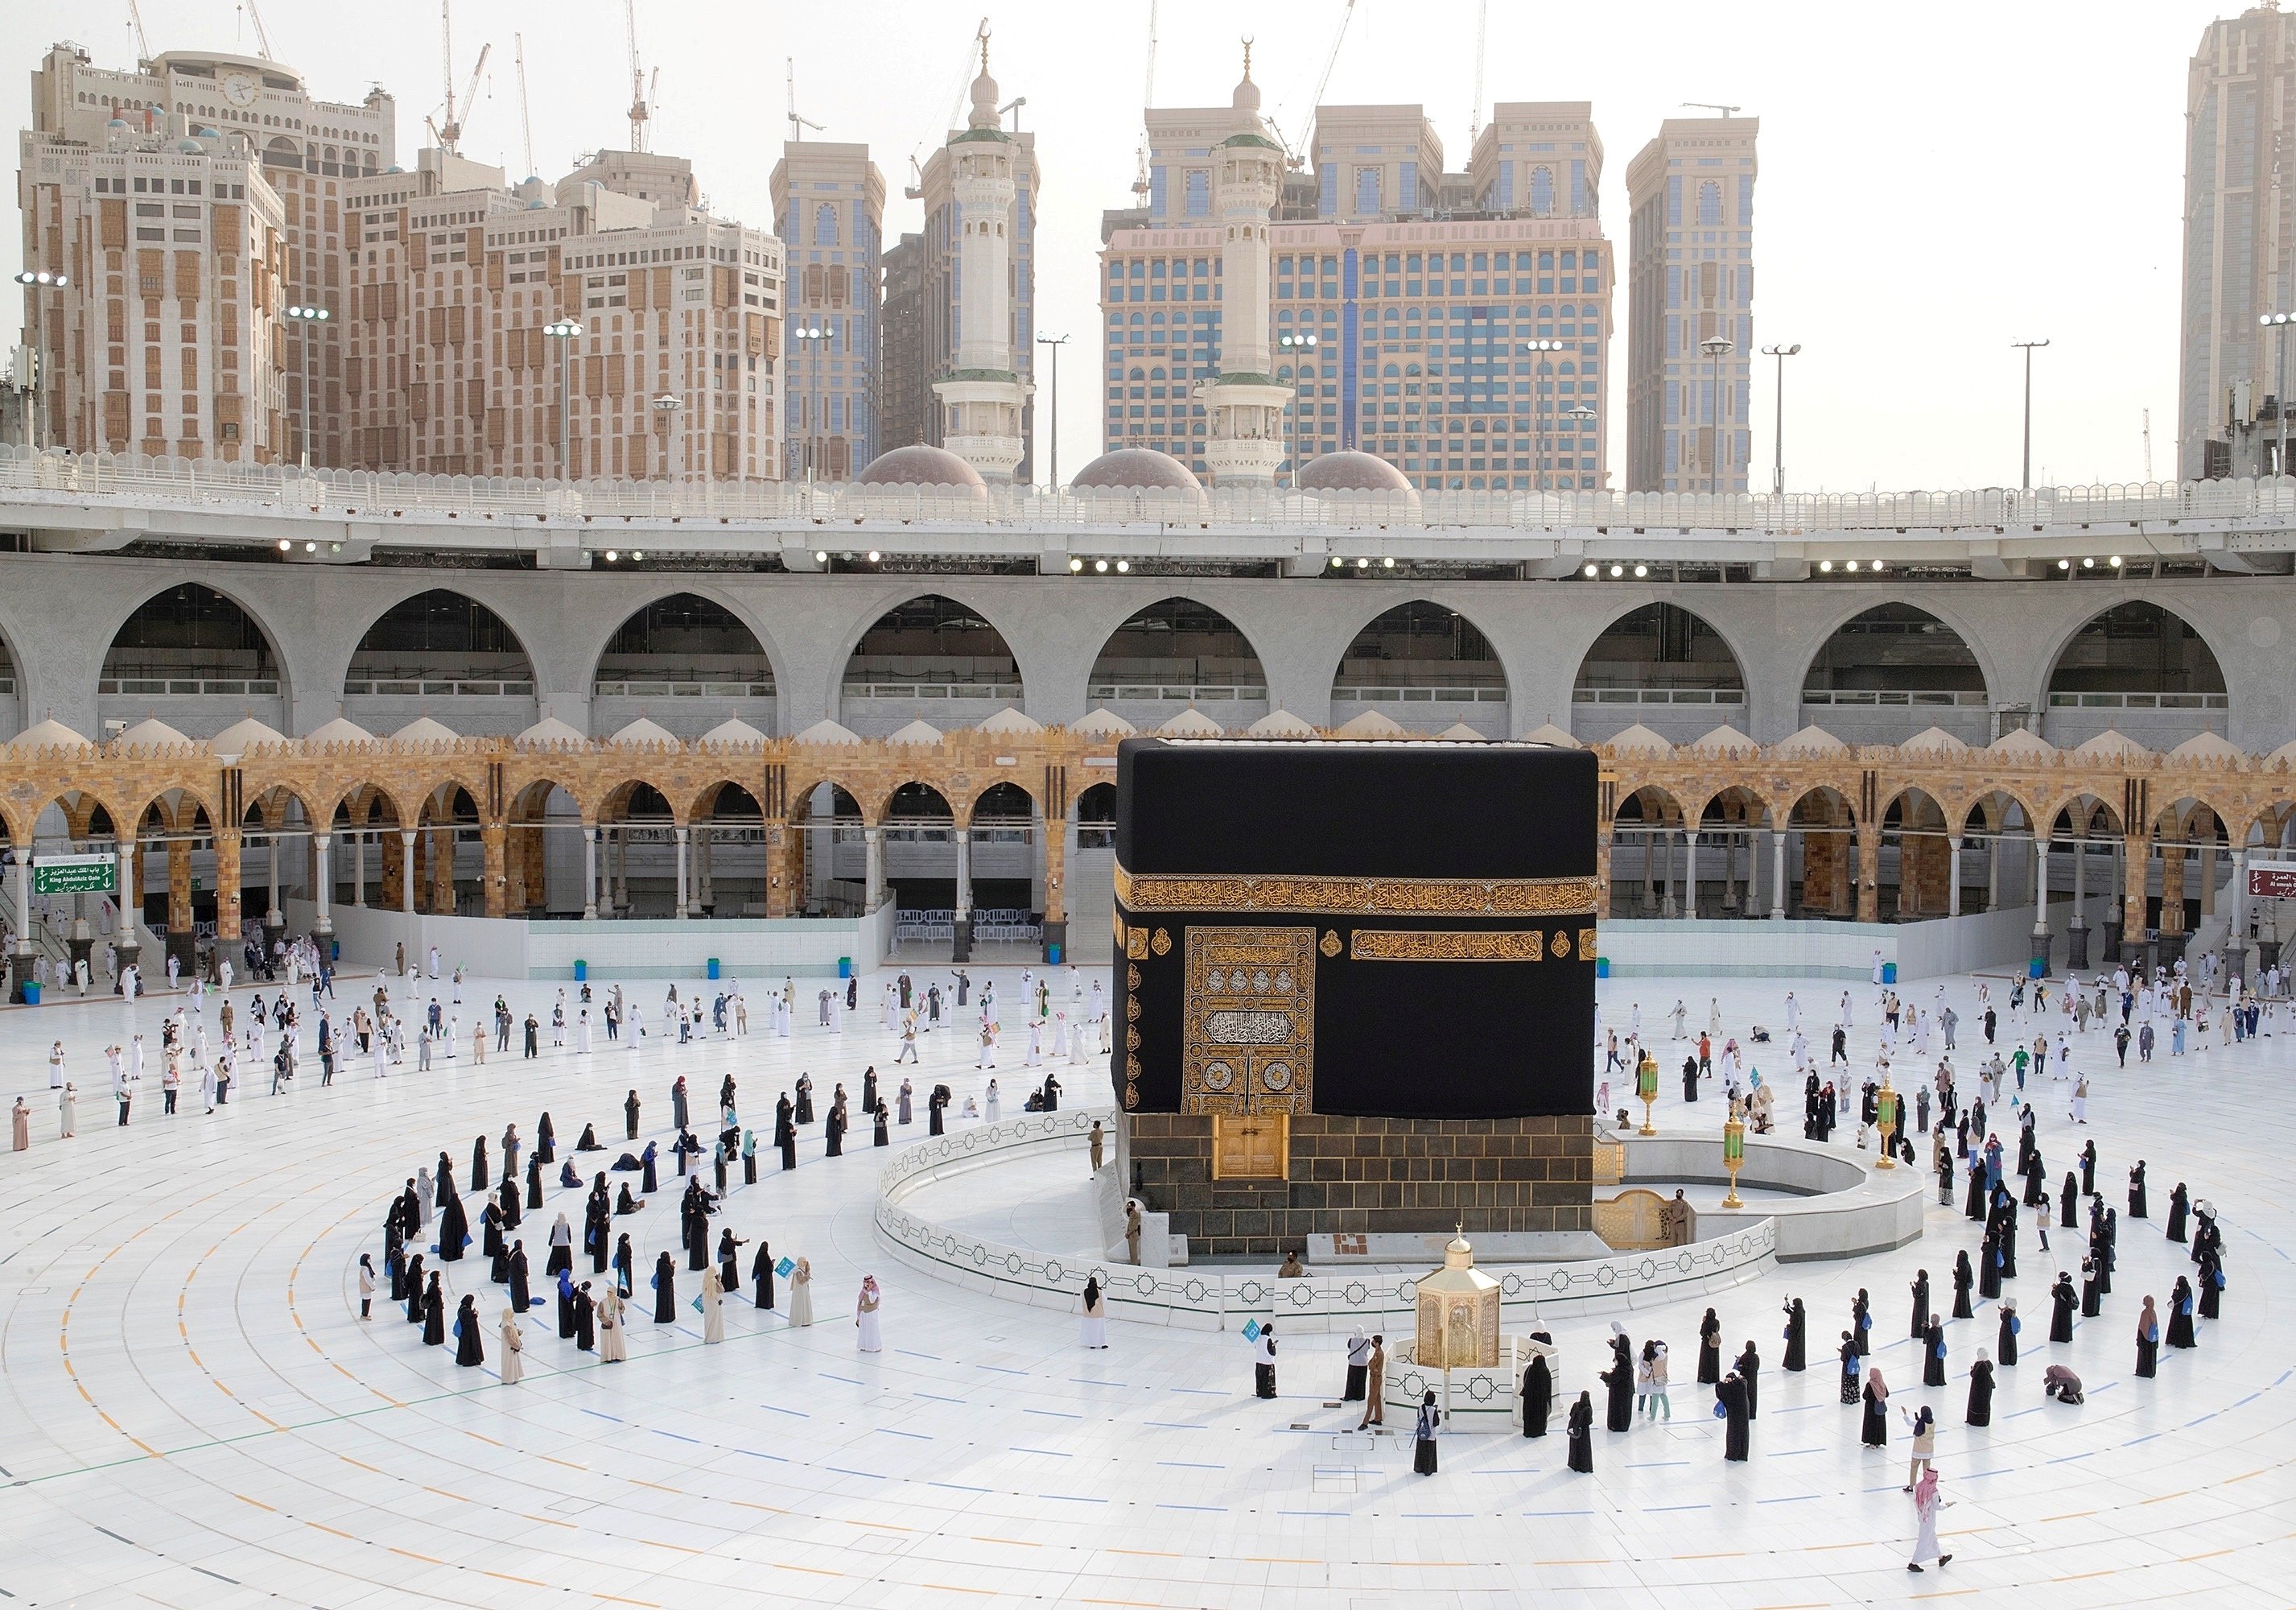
[
  {"x": 525, "y": 117},
  {"x": 975, "y": 53},
  {"x": 798, "y": 126},
  {"x": 1296, "y": 155},
  {"x": 1482, "y": 28},
  {"x": 142, "y": 45},
  {"x": 1147, "y": 100},
  {"x": 915, "y": 189},
  {"x": 450, "y": 132},
  {"x": 639, "y": 111},
  {"x": 262, "y": 39},
  {"x": 1712, "y": 106}
]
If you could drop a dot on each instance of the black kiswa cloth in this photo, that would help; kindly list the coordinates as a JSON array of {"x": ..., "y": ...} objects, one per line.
[{"x": 1396, "y": 837}]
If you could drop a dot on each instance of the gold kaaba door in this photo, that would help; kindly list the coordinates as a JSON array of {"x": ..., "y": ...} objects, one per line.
[
  {"x": 1255, "y": 1146},
  {"x": 1249, "y": 1035}
]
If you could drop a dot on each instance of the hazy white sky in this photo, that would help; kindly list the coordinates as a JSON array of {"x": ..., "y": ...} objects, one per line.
[{"x": 1937, "y": 182}]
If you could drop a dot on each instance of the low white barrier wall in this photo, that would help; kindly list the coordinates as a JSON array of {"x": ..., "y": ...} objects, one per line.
[
  {"x": 1223, "y": 1298},
  {"x": 1844, "y": 1206},
  {"x": 1814, "y": 947},
  {"x": 665, "y": 948}
]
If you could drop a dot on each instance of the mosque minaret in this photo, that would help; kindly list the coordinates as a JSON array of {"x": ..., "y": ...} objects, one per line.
[
  {"x": 1246, "y": 404},
  {"x": 984, "y": 394}
]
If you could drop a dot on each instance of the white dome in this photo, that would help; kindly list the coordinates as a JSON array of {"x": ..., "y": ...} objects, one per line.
[
  {"x": 244, "y": 734},
  {"x": 1722, "y": 740},
  {"x": 1011, "y": 720},
  {"x": 1459, "y": 732},
  {"x": 1105, "y": 723},
  {"x": 422, "y": 729},
  {"x": 2206, "y": 746},
  {"x": 1546, "y": 732},
  {"x": 1808, "y": 743},
  {"x": 828, "y": 732},
  {"x": 1934, "y": 740},
  {"x": 339, "y": 731},
  {"x": 1639, "y": 740},
  {"x": 2022, "y": 741},
  {"x": 642, "y": 731},
  {"x": 2112, "y": 743},
  {"x": 1371, "y": 724},
  {"x": 921, "y": 733},
  {"x": 733, "y": 731},
  {"x": 151, "y": 732},
  {"x": 50, "y": 734},
  {"x": 1279, "y": 724},
  {"x": 1191, "y": 723},
  {"x": 550, "y": 729}
]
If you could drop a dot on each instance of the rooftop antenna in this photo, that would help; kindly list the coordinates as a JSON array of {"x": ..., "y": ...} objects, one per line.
[
  {"x": 1147, "y": 100},
  {"x": 798, "y": 126},
  {"x": 639, "y": 112},
  {"x": 525, "y": 118},
  {"x": 1713, "y": 106}
]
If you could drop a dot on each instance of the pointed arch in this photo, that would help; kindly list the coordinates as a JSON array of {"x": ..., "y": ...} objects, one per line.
[
  {"x": 1663, "y": 666},
  {"x": 198, "y": 656}
]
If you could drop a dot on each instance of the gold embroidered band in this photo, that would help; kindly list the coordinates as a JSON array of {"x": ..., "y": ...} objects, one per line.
[{"x": 1356, "y": 896}]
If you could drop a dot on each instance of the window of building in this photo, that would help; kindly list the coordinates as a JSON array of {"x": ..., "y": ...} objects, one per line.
[
  {"x": 1709, "y": 204},
  {"x": 1200, "y": 193},
  {"x": 1367, "y": 190}
]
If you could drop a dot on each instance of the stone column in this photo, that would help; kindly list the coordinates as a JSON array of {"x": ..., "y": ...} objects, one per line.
[
  {"x": 619, "y": 893},
  {"x": 1602, "y": 875},
  {"x": 589, "y": 873},
  {"x": 783, "y": 847},
  {"x": 271, "y": 917},
  {"x": 681, "y": 912},
  {"x": 359, "y": 868},
  {"x": 130, "y": 901},
  {"x": 2041, "y": 902},
  {"x": 2080, "y": 859},
  {"x": 1953, "y": 875},
  {"x": 322, "y": 886},
  {"x": 1689, "y": 873},
  {"x": 2236, "y": 949},
  {"x": 705, "y": 897},
  {"x": 407, "y": 870},
  {"x": 2135, "y": 870},
  {"x": 964, "y": 951},
  {"x": 1869, "y": 872},
  {"x": 1056, "y": 925},
  {"x": 491, "y": 842},
  {"x": 1777, "y": 877},
  {"x": 2208, "y": 878},
  {"x": 2172, "y": 888},
  {"x": 20, "y": 971},
  {"x": 872, "y": 841},
  {"x": 228, "y": 915}
]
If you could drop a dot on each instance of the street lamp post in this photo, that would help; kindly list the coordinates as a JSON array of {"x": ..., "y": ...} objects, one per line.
[
  {"x": 668, "y": 408},
  {"x": 811, "y": 336},
  {"x": 2025, "y": 481},
  {"x": 34, "y": 282},
  {"x": 1582, "y": 418},
  {"x": 1539, "y": 364},
  {"x": 1304, "y": 345},
  {"x": 563, "y": 331},
  {"x": 1778, "y": 432},
  {"x": 1055, "y": 342},
  {"x": 1717, "y": 348},
  {"x": 2278, "y": 322},
  {"x": 306, "y": 319}
]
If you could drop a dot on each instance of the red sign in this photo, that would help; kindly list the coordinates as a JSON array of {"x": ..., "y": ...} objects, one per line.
[{"x": 2273, "y": 882}]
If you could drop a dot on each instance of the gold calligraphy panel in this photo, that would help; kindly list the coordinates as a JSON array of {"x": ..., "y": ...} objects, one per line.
[
  {"x": 1448, "y": 945},
  {"x": 1356, "y": 897},
  {"x": 1249, "y": 1028}
]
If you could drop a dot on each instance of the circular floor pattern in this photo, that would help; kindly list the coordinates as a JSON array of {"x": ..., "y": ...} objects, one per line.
[{"x": 193, "y": 1412}]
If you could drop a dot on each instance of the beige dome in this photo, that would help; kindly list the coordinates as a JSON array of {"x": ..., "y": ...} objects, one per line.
[
  {"x": 244, "y": 734},
  {"x": 2206, "y": 746},
  {"x": 1351, "y": 471},
  {"x": 1279, "y": 724},
  {"x": 1935, "y": 741},
  {"x": 1546, "y": 732},
  {"x": 151, "y": 732},
  {"x": 1371, "y": 724},
  {"x": 642, "y": 731},
  {"x": 1639, "y": 740},
  {"x": 1191, "y": 723},
  {"x": 422, "y": 729},
  {"x": 2112, "y": 743},
  {"x": 923, "y": 733},
  {"x": 919, "y": 466},
  {"x": 2020, "y": 742},
  {"x": 828, "y": 732},
  {"x": 1459, "y": 732},
  {"x": 734, "y": 730},
  {"x": 1808, "y": 743},
  {"x": 1136, "y": 469},
  {"x": 1011, "y": 720},
  {"x": 1722, "y": 740},
  {"x": 339, "y": 731}
]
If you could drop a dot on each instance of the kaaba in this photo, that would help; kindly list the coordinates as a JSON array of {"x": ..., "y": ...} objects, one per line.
[{"x": 1358, "y": 985}]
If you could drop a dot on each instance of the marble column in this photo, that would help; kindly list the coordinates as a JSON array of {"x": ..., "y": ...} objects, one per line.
[
  {"x": 1777, "y": 877},
  {"x": 681, "y": 912},
  {"x": 872, "y": 839},
  {"x": 358, "y": 869},
  {"x": 322, "y": 885},
  {"x": 406, "y": 871},
  {"x": 589, "y": 873},
  {"x": 1690, "y": 874},
  {"x": 1953, "y": 877}
]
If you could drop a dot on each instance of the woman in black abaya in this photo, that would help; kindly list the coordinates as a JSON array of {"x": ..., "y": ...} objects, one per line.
[{"x": 470, "y": 1349}]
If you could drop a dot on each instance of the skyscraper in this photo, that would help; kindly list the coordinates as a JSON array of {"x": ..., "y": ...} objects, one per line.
[
  {"x": 829, "y": 211},
  {"x": 904, "y": 399},
  {"x": 2240, "y": 244},
  {"x": 1690, "y": 326},
  {"x": 1406, "y": 301}
]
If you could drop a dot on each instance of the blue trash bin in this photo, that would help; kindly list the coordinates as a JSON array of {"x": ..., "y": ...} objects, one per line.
[
  {"x": 1053, "y": 955},
  {"x": 31, "y": 992},
  {"x": 713, "y": 969},
  {"x": 845, "y": 966},
  {"x": 1889, "y": 973},
  {"x": 581, "y": 972},
  {"x": 1601, "y": 967},
  {"x": 2036, "y": 968}
]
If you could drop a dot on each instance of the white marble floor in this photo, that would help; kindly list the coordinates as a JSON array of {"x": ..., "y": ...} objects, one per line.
[{"x": 191, "y": 1413}]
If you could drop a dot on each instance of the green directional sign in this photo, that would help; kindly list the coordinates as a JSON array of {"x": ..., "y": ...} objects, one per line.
[{"x": 75, "y": 874}]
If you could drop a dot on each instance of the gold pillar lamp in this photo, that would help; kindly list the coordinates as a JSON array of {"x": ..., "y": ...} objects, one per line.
[
  {"x": 1734, "y": 1152},
  {"x": 1646, "y": 1086}
]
